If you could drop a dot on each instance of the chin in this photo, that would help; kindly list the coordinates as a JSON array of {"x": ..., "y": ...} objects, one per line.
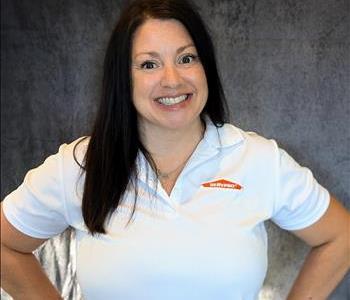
[{"x": 180, "y": 123}]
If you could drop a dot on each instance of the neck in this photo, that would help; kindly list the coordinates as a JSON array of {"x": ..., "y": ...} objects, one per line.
[{"x": 166, "y": 143}]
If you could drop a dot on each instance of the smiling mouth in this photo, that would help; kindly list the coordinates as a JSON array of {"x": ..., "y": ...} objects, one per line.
[{"x": 173, "y": 100}]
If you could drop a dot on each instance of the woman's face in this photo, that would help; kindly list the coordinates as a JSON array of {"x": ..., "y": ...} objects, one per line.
[{"x": 168, "y": 80}]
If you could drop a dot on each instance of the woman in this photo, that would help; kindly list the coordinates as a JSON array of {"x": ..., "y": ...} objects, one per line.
[{"x": 168, "y": 201}]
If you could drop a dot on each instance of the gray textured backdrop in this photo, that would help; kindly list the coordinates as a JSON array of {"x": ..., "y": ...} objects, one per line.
[{"x": 285, "y": 68}]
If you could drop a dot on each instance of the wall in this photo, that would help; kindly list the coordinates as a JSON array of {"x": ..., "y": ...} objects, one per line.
[{"x": 285, "y": 68}]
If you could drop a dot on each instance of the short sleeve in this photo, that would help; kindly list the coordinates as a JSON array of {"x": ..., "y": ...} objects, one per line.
[
  {"x": 37, "y": 206},
  {"x": 300, "y": 199}
]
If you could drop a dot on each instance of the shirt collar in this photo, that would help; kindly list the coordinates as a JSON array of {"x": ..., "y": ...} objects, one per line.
[
  {"x": 216, "y": 137},
  {"x": 222, "y": 137}
]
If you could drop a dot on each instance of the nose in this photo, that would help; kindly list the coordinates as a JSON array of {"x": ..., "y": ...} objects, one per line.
[{"x": 171, "y": 78}]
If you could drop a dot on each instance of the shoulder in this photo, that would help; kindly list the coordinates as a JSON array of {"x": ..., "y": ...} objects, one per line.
[
  {"x": 74, "y": 151},
  {"x": 70, "y": 161},
  {"x": 250, "y": 141},
  {"x": 73, "y": 177}
]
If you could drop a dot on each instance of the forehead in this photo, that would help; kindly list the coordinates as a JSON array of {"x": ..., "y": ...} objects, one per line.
[{"x": 156, "y": 34}]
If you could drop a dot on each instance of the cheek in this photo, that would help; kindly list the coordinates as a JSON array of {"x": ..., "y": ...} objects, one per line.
[
  {"x": 143, "y": 86},
  {"x": 204, "y": 83},
  {"x": 201, "y": 83},
  {"x": 203, "y": 78},
  {"x": 136, "y": 84},
  {"x": 198, "y": 78},
  {"x": 136, "y": 91}
]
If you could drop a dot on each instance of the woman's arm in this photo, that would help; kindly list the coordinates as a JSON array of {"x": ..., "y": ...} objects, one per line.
[
  {"x": 329, "y": 258},
  {"x": 21, "y": 274}
]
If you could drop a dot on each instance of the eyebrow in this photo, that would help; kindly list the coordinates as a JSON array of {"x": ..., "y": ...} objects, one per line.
[{"x": 155, "y": 54}]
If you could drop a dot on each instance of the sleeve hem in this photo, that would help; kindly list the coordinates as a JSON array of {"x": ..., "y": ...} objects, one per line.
[
  {"x": 310, "y": 221},
  {"x": 24, "y": 228}
]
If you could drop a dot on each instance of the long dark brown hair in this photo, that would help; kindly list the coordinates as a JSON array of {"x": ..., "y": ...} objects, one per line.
[{"x": 110, "y": 160}]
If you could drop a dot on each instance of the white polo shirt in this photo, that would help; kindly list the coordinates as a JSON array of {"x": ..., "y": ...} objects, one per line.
[{"x": 205, "y": 241}]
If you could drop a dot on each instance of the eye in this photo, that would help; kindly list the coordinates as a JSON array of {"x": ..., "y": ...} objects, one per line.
[
  {"x": 148, "y": 65},
  {"x": 188, "y": 58}
]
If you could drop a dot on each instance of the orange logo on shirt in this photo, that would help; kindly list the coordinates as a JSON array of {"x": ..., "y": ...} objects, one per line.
[{"x": 223, "y": 184}]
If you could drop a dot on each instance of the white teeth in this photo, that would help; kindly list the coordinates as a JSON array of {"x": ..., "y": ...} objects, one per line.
[{"x": 172, "y": 101}]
